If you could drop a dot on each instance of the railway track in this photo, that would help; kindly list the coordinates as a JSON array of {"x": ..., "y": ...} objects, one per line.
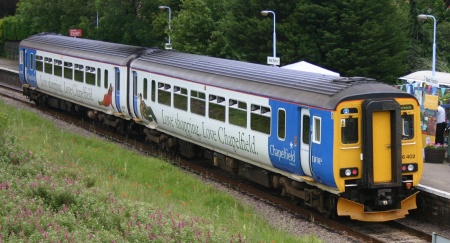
[{"x": 357, "y": 231}]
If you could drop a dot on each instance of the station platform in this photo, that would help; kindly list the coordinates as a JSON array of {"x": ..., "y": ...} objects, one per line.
[
  {"x": 436, "y": 179},
  {"x": 9, "y": 65}
]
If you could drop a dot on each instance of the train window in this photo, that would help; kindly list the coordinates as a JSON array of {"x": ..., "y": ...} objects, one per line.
[
  {"x": 198, "y": 103},
  {"x": 99, "y": 77},
  {"x": 407, "y": 126},
  {"x": 135, "y": 81},
  {"x": 117, "y": 78},
  {"x": 48, "y": 65},
  {"x": 145, "y": 88},
  {"x": 90, "y": 75},
  {"x": 153, "y": 90},
  {"x": 281, "y": 124},
  {"x": 32, "y": 60},
  {"x": 216, "y": 108},
  {"x": 317, "y": 128},
  {"x": 349, "y": 130},
  {"x": 305, "y": 129},
  {"x": 237, "y": 113},
  {"x": 164, "y": 93},
  {"x": 180, "y": 98},
  {"x": 105, "y": 81},
  {"x": 68, "y": 70},
  {"x": 260, "y": 119},
  {"x": 21, "y": 57},
  {"x": 39, "y": 63},
  {"x": 79, "y": 73},
  {"x": 57, "y": 68}
]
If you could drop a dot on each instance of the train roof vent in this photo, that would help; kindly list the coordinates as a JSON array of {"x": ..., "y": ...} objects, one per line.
[{"x": 352, "y": 79}]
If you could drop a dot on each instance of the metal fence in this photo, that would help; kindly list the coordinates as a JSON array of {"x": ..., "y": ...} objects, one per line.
[{"x": 11, "y": 50}]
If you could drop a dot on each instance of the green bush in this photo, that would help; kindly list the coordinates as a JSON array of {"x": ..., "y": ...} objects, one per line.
[{"x": 15, "y": 29}]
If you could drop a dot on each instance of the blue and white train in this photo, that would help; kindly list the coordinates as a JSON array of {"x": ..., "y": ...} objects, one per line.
[{"x": 350, "y": 146}]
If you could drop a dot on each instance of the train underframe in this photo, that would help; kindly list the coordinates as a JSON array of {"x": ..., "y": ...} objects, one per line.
[{"x": 324, "y": 202}]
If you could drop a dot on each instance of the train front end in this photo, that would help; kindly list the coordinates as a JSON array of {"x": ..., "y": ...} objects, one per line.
[{"x": 378, "y": 157}]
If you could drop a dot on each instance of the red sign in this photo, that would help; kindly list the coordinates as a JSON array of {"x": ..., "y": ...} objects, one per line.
[{"x": 76, "y": 32}]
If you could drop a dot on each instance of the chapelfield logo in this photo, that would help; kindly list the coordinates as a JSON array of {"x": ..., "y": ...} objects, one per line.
[{"x": 282, "y": 154}]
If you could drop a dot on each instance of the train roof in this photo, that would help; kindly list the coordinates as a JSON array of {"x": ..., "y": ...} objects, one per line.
[
  {"x": 319, "y": 90},
  {"x": 313, "y": 89},
  {"x": 113, "y": 53}
]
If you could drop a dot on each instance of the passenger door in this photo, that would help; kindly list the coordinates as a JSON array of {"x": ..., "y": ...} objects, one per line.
[
  {"x": 305, "y": 152},
  {"x": 382, "y": 143}
]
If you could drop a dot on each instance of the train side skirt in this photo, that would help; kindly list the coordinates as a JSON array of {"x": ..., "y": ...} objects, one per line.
[{"x": 356, "y": 211}]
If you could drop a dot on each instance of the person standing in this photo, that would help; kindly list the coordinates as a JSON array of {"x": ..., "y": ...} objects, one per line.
[{"x": 440, "y": 124}]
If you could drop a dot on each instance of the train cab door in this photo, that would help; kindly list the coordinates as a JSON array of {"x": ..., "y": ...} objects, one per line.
[
  {"x": 305, "y": 151},
  {"x": 382, "y": 143},
  {"x": 117, "y": 90}
]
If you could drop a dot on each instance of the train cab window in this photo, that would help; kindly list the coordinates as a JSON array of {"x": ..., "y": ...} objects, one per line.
[
  {"x": 407, "y": 126},
  {"x": 48, "y": 65},
  {"x": 260, "y": 118},
  {"x": 349, "y": 130},
  {"x": 90, "y": 75},
  {"x": 57, "y": 68},
  {"x": 198, "y": 102},
  {"x": 216, "y": 108},
  {"x": 105, "y": 80},
  {"x": 39, "y": 63},
  {"x": 317, "y": 129},
  {"x": 180, "y": 98},
  {"x": 99, "y": 77},
  {"x": 349, "y": 125},
  {"x": 164, "y": 93},
  {"x": 145, "y": 88},
  {"x": 237, "y": 113},
  {"x": 79, "y": 72},
  {"x": 21, "y": 57},
  {"x": 281, "y": 124},
  {"x": 68, "y": 70}
]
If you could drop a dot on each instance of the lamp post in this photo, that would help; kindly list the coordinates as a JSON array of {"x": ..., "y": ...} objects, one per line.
[
  {"x": 274, "y": 61},
  {"x": 423, "y": 17},
  {"x": 168, "y": 45}
]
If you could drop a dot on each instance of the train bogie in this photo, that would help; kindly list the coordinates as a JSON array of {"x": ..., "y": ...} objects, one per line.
[{"x": 345, "y": 146}]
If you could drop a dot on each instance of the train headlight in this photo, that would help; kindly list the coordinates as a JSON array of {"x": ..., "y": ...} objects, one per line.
[
  {"x": 410, "y": 167},
  {"x": 349, "y": 172}
]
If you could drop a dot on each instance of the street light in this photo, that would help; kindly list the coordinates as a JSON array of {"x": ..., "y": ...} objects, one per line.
[
  {"x": 423, "y": 17},
  {"x": 275, "y": 61},
  {"x": 168, "y": 45}
]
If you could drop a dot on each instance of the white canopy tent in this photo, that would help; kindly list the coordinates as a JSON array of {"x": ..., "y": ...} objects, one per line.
[
  {"x": 423, "y": 76},
  {"x": 308, "y": 67}
]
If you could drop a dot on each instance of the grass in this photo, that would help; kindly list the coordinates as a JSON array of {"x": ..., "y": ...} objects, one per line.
[{"x": 59, "y": 186}]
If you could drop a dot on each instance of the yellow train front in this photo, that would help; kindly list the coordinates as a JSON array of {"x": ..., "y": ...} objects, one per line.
[{"x": 377, "y": 157}]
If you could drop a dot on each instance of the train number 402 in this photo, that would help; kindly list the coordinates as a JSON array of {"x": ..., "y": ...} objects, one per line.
[{"x": 409, "y": 156}]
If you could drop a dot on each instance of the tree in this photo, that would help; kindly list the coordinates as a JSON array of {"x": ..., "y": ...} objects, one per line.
[
  {"x": 356, "y": 38},
  {"x": 8, "y": 8},
  {"x": 192, "y": 27}
]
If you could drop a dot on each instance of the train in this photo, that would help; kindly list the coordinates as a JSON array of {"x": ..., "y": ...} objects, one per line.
[{"x": 345, "y": 146}]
